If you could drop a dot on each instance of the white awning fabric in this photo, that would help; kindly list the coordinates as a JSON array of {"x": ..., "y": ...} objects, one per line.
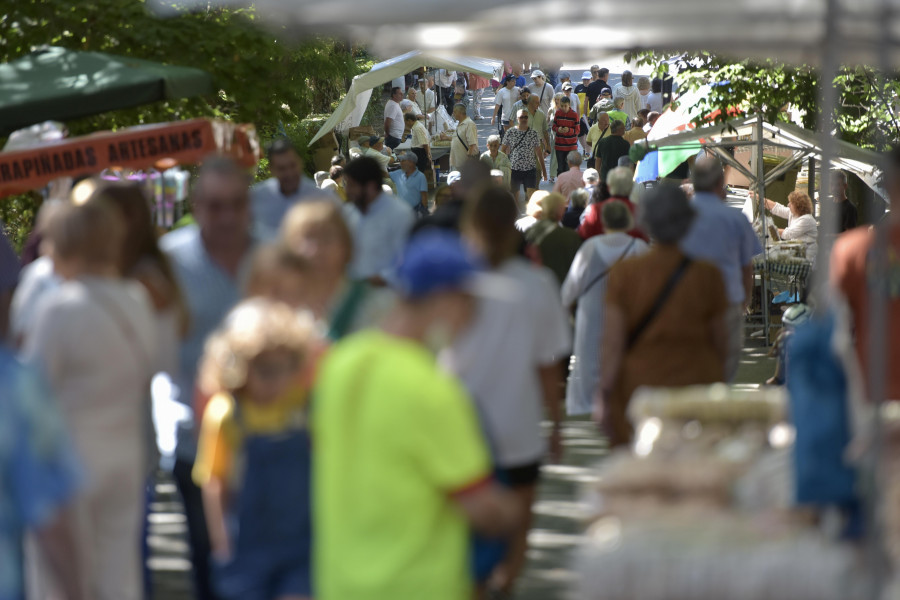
[
  {"x": 350, "y": 111},
  {"x": 582, "y": 30},
  {"x": 856, "y": 160}
]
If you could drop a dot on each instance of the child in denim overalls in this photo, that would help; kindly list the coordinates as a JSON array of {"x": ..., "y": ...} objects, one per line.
[{"x": 253, "y": 461}]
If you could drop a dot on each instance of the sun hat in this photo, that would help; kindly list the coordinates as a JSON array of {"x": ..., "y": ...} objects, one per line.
[{"x": 586, "y": 75}]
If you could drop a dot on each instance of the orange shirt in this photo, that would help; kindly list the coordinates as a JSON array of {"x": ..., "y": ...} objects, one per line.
[{"x": 849, "y": 274}]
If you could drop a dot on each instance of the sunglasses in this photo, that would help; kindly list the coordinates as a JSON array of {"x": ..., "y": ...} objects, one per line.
[{"x": 520, "y": 118}]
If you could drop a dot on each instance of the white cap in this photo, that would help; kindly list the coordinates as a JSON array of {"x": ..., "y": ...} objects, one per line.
[
  {"x": 537, "y": 73},
  {"x": 453, "y": 177},
  {"x": 591, "y": 174},
  {"x": 586, "y": 75}
]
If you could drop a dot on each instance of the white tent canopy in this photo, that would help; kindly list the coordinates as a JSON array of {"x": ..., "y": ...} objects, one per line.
[
  {"x": 351, "y": 109},
  {"x": 581, "y": 30},
  {"x": 856, "y": 160}
]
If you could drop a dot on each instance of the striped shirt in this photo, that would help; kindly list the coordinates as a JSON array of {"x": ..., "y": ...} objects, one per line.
[{"x": 567, "y": 141}]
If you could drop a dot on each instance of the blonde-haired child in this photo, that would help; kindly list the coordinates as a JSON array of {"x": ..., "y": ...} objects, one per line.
[{"x": 253, "y": 456}]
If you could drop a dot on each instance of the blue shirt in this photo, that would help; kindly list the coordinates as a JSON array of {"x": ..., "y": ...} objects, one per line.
[
  {"x": 409, "y": 189},
  {"x": 270, "y": 205},
  {"x": 38, "y": 472},
  {"x": 209, "y": 292},
  {"x": 723, "y": 236},
  {"x": 378, "y": 235}
]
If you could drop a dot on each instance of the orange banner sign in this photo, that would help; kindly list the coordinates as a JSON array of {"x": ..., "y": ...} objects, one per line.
[{"x": 143, "y": 147}]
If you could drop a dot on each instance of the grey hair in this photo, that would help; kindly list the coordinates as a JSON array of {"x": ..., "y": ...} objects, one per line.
[
  {"x": 618, "y": 101},
  {"x": 643, "y": 83},
  {"x": 616, "y": 216},
  {"x": 620, "y": 181},
  {"x": 666, "y": 214},
  {"x": 460, "y": 107},
  {"x": 574, "y": 158},
  {"x": 493, "y": 138},
  {"x": 707, "y": 174},
  {"x": 579, "y": 197}
]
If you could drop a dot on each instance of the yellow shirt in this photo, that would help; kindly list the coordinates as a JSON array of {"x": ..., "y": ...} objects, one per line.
[
  {"x": 221, "y": 435},
  {"x": 595, "y": 135},
  {"x": 394, "y": 438}
]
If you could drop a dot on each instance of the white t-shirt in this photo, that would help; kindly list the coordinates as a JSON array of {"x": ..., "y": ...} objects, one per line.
[
  {"x": 96, "y": 340},
  {"x": 520, "y": 327},
  {"x": 426, "y": 101},
  {"x": 393, "y": 111},
  {"x": 654, "y": 102},
  {"x": 505, "y": 98},
  {"x": 546, "y": 90}
]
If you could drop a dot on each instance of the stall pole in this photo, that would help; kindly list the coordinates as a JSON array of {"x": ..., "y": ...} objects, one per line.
[
  {"x": 761, "y": 199},
  {"x": 876, "y": 554}
]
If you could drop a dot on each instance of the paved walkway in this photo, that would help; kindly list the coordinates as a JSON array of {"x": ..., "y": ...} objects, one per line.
[{"x": 559, "y": 513}]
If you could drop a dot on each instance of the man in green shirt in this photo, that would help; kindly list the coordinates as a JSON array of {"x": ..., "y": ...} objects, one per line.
[
  {"x": 401, "y": 467},
  {"x": 611, "y": 148},
  {"x": 537, "y": 120}
]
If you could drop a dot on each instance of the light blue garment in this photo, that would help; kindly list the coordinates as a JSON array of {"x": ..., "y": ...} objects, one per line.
[
  {"x": 409, "y": 189},
  {"x": 585, "y": 285},
  {"x": 378, "y": 236},
  {"x": 38, "y": 471},
  {"x": 210, "y": 292},
  {"x": 270, "y": 205},
  {"x": 723, "y": 236}
]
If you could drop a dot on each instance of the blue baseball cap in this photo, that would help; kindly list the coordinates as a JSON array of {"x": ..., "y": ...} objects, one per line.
[{"x": 435, "y": 260}]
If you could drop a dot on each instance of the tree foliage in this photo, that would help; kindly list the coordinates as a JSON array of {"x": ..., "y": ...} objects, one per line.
[
  {"x": 866, "y": 112},
  {"x": 271, "y": 80}
]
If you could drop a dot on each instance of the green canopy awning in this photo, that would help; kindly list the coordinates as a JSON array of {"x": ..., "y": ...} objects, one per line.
[{"x": 60, "y": 84}]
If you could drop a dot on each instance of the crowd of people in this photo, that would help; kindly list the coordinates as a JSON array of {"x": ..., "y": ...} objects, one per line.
[{"x": 357, "y": 377}]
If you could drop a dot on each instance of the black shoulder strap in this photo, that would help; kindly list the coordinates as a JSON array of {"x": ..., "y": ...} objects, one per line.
[
  {"x": 465, "y": 145},
  {"x": 660, "y": 302},
  {"x": 606, "y": 272}
]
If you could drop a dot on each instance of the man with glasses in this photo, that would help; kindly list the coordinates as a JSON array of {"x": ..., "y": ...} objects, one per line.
[{"x": 522, "y": 145}]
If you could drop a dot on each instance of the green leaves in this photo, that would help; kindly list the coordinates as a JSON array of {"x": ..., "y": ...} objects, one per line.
[
  {"x": 866, "y": 114},
  {"x": 257, "y": 72}
]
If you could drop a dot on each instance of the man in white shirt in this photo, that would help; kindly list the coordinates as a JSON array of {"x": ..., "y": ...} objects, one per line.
[
  {"x": 393, "y": 119},
  {"x": 444, "y": 80},
  {"x": 543, "y": 90},
  {"x": 272, "y": 198},
  {"x": 503, "y": 103},
  {"x": 464, "y": 143},
  {"x": 379, "y": 222}
]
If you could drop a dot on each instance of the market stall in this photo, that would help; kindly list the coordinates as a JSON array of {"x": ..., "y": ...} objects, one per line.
[
  {"x": 351, "y": 109},
  {"x": 787, "y": 144},
  {"x": 703, "y": 507}
]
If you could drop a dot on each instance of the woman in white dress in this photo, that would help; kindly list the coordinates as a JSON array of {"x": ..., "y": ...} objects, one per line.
[
  {"x": 802, "y": 226},
  {"x": 95, "y": 337},
  {"x": 585, "y": 285}
]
